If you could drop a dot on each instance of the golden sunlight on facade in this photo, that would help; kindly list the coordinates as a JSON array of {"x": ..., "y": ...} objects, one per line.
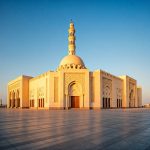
[{"x": 73, "y": 86}]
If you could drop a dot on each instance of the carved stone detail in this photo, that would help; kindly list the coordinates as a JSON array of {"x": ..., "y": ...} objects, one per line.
[
  {"x": 40, "y": 92},
  {"x": 107, "y": 87},
  {"x": 75, "y": 90},
  {"x": 70, "y": 66},
  {"x": 74, "y": 77},
  {"x": 32, "y": 94},
  {"x": 119, "y": 93}
]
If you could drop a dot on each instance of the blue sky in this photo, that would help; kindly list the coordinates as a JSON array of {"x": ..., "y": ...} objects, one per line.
[{"x": 112, "y": 35}]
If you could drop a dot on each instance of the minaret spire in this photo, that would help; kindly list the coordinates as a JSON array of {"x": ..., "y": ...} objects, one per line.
[{"x": 71, "y": 39}]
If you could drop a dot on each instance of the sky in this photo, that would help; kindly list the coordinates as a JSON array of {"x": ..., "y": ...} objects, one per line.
[{"x": 112, "y": 35}]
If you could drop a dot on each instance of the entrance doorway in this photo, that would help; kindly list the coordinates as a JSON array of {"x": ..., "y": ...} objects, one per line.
[{"x": 75, "y": 101}]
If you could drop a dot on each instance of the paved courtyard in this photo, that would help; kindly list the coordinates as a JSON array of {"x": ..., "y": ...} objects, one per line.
[{"x": 75, "y": 129}]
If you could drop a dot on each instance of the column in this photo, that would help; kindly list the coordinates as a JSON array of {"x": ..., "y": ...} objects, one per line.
[
  {"x": 42, "y": 102},
  {"x": 117, "y": 103},
  {"x": 67, "y": 103},
  {"x": 12, "y": 103},
  {"x": 16, "y": 103},
  {"x": 121, "y": 103},
  {"x": 83, "y": 100}
]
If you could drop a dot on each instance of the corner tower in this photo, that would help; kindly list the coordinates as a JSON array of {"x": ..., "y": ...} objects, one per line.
[{"x": 71, "y": 61}]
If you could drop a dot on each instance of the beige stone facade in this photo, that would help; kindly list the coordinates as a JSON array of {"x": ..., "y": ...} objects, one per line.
[
  {"x": 18, "y": 90},
  {"x": 72, "y": 85}
]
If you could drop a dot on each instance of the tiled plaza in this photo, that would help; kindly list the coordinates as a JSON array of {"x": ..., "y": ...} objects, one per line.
[{"x": 75, "y": 129}]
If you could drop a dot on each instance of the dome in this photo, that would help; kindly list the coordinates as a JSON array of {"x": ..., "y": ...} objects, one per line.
[{"x": 72, "y": 61}]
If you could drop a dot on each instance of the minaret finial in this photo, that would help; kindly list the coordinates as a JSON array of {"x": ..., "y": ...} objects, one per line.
[{"x": 71, "y": 39}]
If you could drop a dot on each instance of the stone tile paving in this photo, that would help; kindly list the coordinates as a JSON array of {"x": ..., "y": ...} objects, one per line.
[{"x": 110, "y": 129}]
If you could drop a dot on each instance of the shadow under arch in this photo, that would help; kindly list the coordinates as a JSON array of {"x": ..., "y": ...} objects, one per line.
[
  {"x": 131, "y": 99},
  {"x": 107, "y": 97}
]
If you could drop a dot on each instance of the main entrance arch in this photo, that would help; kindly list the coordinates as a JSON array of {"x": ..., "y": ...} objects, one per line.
[{"x": 74, "y": 92}]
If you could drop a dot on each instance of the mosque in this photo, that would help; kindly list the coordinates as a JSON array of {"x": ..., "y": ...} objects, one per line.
[{"x": 72, "y": 85}]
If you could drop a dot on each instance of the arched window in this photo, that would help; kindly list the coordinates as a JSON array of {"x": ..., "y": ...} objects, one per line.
[
  {"x": 108, "y": 102},
  {"x": 103, "y": 102}
]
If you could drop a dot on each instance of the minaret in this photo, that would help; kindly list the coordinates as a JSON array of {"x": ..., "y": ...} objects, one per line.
[
  {"x": 71, "y": 40},
  {"x": 71, "y": 61}
]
